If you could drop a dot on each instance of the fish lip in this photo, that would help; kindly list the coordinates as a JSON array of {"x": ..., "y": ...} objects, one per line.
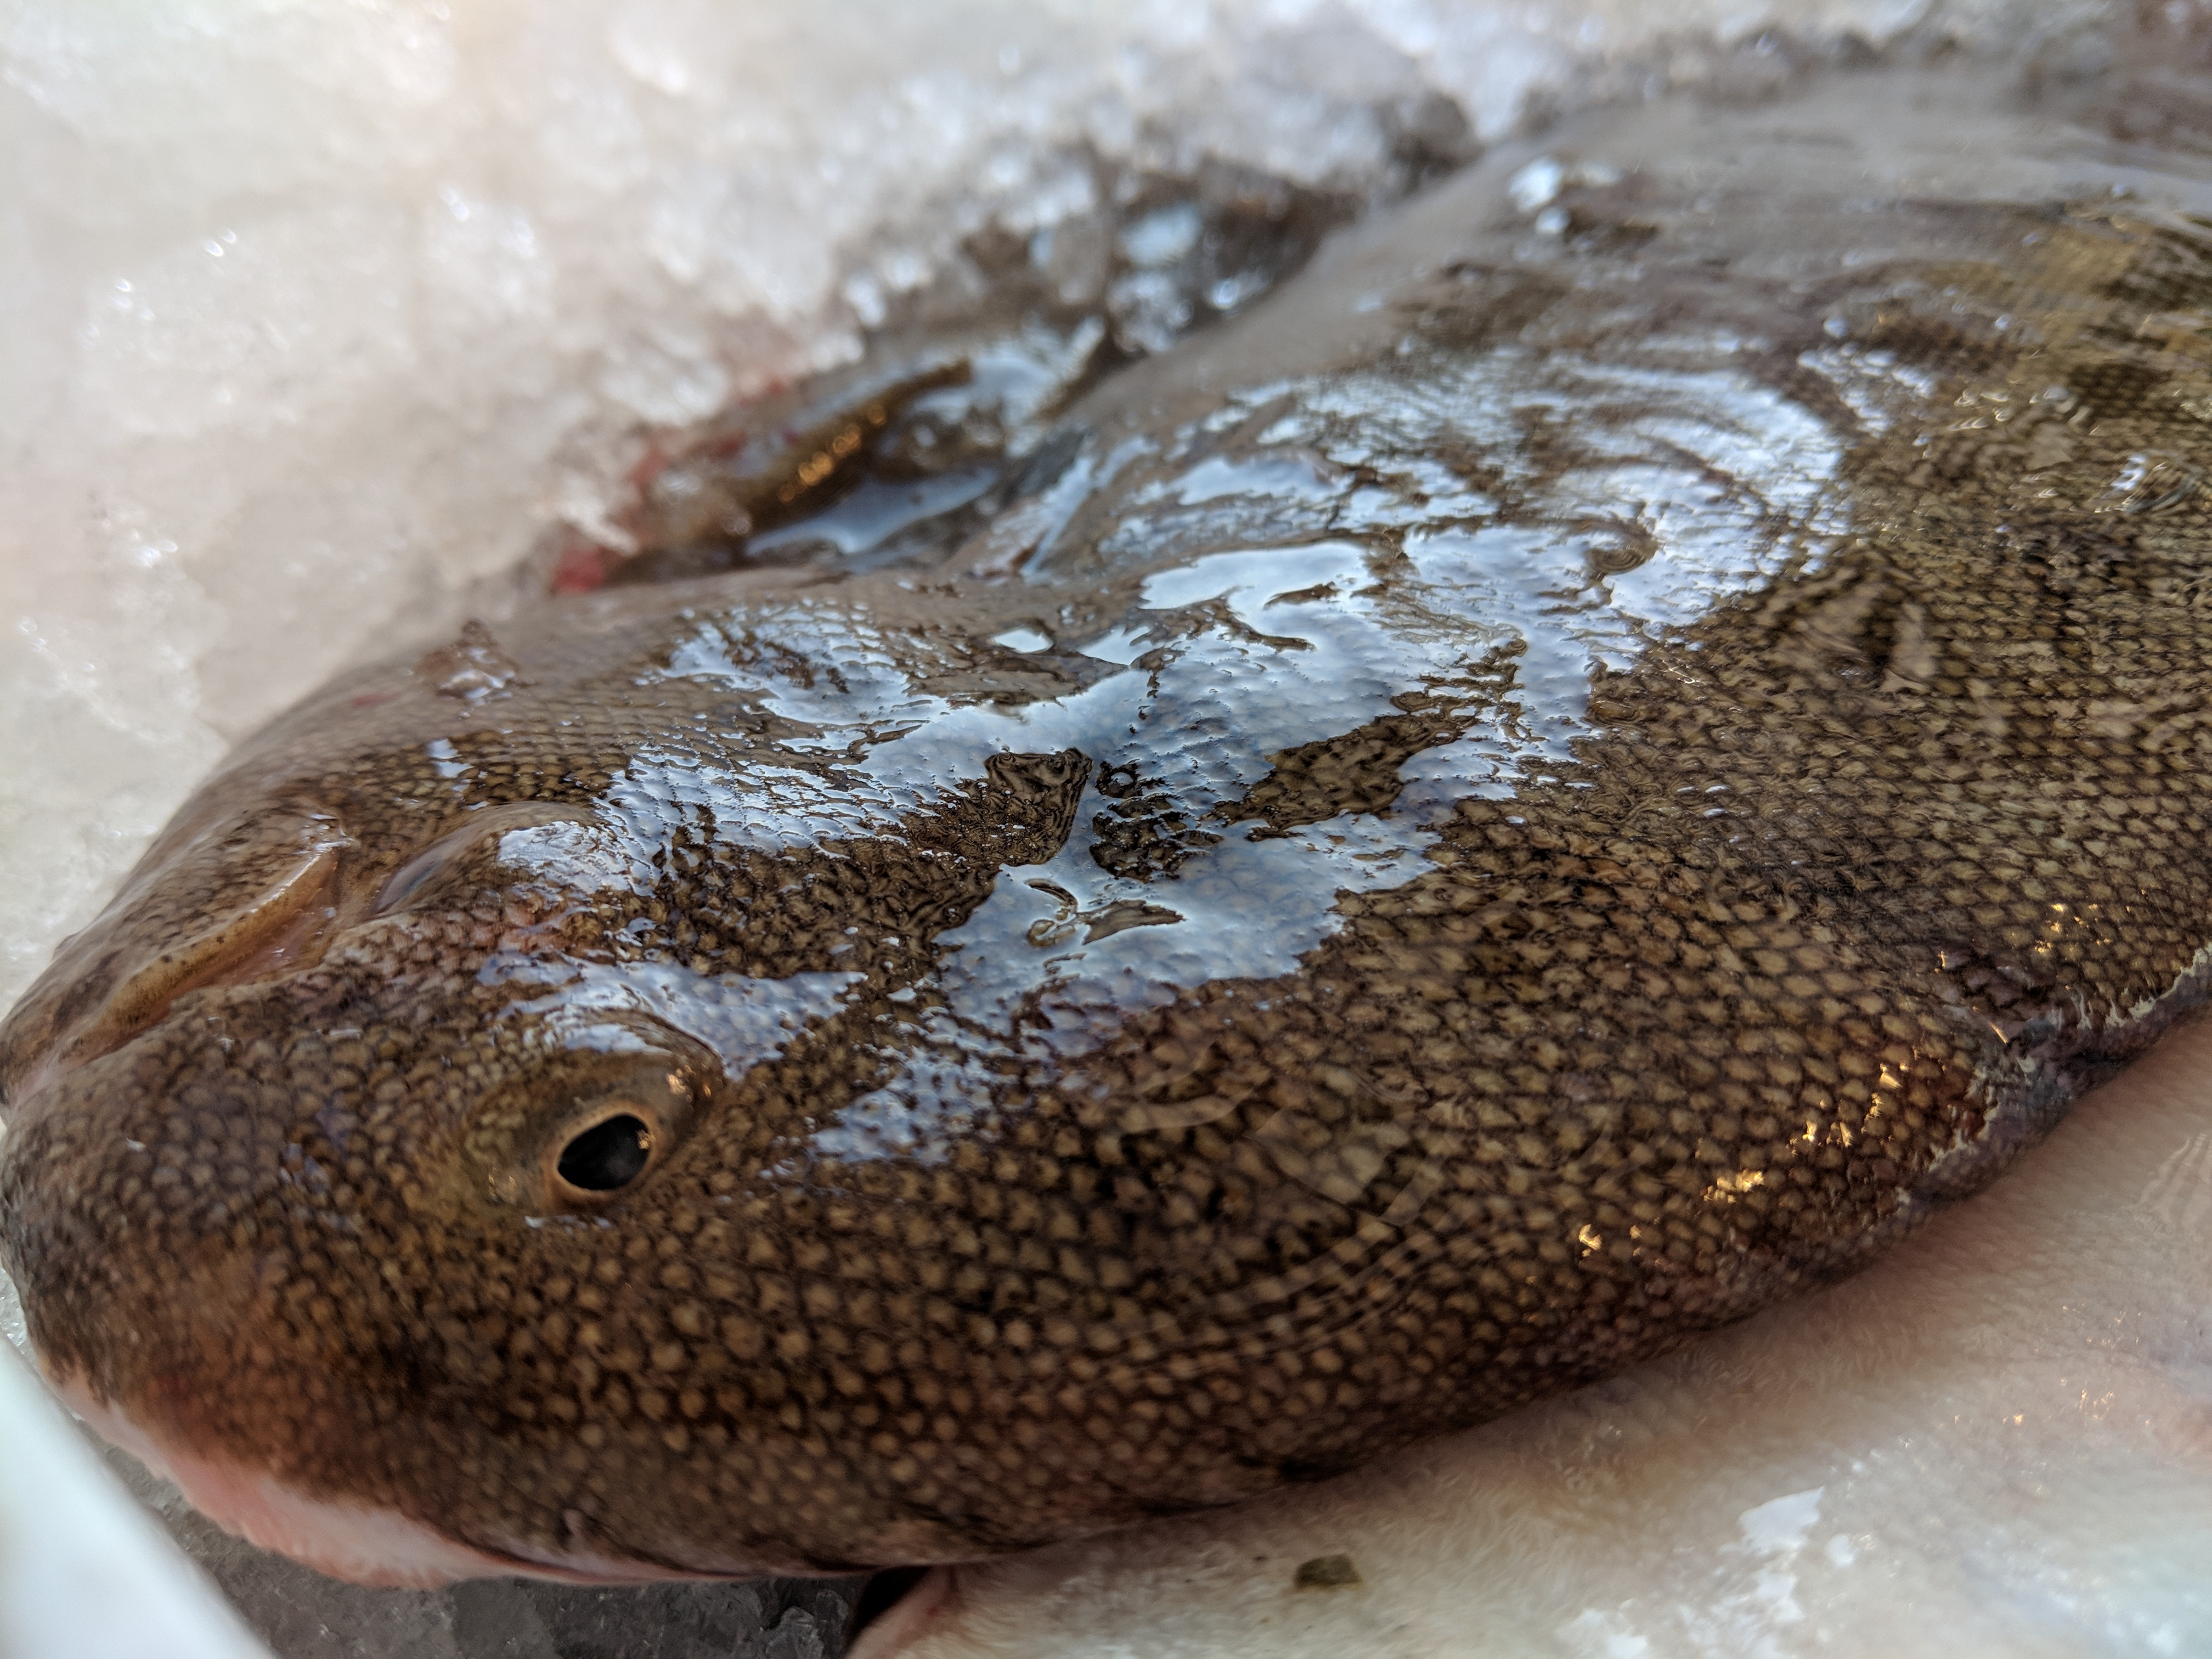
[
  {"x": 252, "y": 1505},
  {"x": 380, "y": 1548}
]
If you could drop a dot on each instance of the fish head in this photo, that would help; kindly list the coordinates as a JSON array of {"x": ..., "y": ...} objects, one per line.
[{"x": 368, "y": 1162}]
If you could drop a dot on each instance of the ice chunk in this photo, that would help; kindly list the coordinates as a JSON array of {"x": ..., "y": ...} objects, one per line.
[{"x": 82, "y": 1568}]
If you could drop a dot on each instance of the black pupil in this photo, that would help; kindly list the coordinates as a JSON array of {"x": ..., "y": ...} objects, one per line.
[{"x": 607, "y": 1154}]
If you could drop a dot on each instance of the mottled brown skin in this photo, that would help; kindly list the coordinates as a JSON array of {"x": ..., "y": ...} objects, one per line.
[{"x": 1838, "y": 891}]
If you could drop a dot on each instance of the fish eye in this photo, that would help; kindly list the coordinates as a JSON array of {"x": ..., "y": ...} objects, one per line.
[
  {"x": 613, "y": 1133},
  {"x": 606, "y": 1149},
  {"x": 608, "y": 1155},
  {"x": 593, "y": 1117}
]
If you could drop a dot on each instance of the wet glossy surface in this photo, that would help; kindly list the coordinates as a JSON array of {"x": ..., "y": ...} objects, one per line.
[
  {"x": 1606, "y": 772},
  {"x": 1990, "y": 1443}
]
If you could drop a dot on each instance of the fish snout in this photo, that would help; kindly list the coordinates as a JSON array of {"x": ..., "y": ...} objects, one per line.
[
  {"x": 126, "y": 1219},
  {"x": 142, "y": 1221}
]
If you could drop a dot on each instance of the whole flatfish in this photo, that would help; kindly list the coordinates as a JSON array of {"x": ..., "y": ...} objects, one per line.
[{"x": 1571, "y": 774}]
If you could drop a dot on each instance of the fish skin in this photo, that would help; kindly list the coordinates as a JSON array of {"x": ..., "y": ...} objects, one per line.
[{"x": 945, "y": 1250}]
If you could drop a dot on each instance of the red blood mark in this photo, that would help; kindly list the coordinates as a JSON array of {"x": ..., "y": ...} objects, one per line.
[
  {"x": 582, "y": 567},
  {"x": 370, "y": 699},
  {"x": 650, "y": 465}
]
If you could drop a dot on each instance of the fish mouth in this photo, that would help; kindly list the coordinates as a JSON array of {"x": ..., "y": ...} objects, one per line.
[
  {"x": 376, "y": 1547},
  {"x": 382, "y": 1549}
]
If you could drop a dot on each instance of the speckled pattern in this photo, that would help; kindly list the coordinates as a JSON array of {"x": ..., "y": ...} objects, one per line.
[{"x": 1580, "y": 801}]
